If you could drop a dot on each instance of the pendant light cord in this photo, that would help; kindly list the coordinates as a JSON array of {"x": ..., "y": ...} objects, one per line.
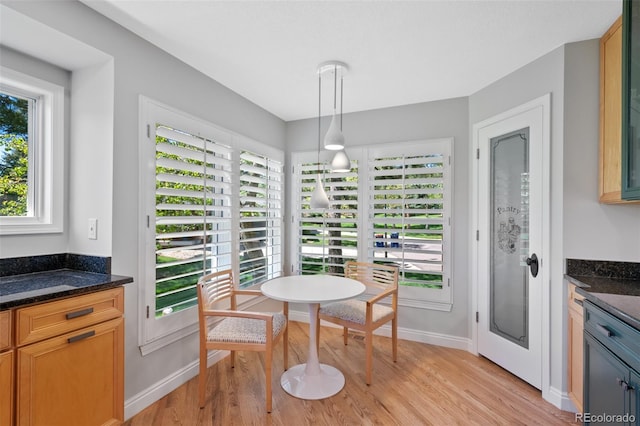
[
  {"x": 319, "y": 112},
  {"x": 341, "y": 98}
]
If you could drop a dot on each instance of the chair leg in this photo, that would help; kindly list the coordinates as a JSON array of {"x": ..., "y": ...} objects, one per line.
[
  {"x": 285, "y": 348},
  {"x": 345, "y": 335},
  {"x": 233, "y": 359},
  {"x": 369, "y": 354},
  {"x": 394, "y": 338},
  {"x": 202, "y": 377},
  {"x": 268, "y": 356}
]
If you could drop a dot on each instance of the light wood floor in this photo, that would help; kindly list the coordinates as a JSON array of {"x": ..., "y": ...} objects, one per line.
[{"x": 429, "y": 385}]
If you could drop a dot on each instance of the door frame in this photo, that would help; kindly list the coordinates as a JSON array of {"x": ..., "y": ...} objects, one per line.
[{"x": 545, "y": 103}]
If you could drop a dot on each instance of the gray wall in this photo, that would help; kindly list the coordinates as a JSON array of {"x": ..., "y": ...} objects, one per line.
[
  {"x": 448, "y": 118},
  {"x": 591, "y": 230},
  {"x": 141, "y": 68}
]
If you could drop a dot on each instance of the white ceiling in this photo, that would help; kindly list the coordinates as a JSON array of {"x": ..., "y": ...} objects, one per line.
[{"x": 399, "y": 52}]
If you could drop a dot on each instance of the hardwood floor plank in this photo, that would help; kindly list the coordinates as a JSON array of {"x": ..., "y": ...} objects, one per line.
[{"x": 429, "y": 385}]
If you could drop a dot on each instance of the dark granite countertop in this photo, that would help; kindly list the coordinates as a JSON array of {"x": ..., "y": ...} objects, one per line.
[
  {"x": 24, "y": 289},
  {"x": 619, "y": 297},
  {"x": 33, "y": 279}
]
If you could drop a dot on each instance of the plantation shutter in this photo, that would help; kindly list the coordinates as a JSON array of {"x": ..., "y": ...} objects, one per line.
[
  {"x": 408, "y": 207},
  {"x": 327, "y": 238},
  {"x": 192, "y": 215},
  {"x": 261, "y": 186}
]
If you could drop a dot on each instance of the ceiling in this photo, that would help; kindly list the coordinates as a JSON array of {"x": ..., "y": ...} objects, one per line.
[{"x": 398, "y": 52}]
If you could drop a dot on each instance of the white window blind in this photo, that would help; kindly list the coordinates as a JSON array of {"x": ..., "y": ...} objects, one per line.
[
  {"x": 210, "y": 199},
  {"x": 407, "y": 216},
  {"x": 327, "y": 238},
  {"x": 192, "y": 215},
  {"x": 261, "y": 186}
]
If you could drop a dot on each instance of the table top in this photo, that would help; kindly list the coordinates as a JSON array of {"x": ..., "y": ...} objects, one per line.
[{"x": 312, "y": 288}]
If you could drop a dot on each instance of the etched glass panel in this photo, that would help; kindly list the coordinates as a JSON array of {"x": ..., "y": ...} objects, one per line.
[{"x": 509, "y": 236}]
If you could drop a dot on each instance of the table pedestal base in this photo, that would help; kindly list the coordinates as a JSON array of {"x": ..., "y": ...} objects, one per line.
[{"x": 312, "y": 386}]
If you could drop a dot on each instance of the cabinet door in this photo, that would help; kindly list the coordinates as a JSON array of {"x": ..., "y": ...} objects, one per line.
[
  {"x": 6, "y": 387},
  {"x": 73, "y": 379},
  {"x": 604, "y": 373},
  {"x": 631, "y": 101},
  {"x": 634, "y": 395},
  {"x": 576, "y": 351}
]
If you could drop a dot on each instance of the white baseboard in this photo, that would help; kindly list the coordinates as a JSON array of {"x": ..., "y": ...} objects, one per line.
[
  {"x": 560, "y": 399},
  {"x": 159, "y": 389},
  {"x": 142, "y": 400},
  {"x": 430, "y": 338}
]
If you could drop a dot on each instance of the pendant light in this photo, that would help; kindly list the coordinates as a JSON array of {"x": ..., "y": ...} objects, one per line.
[
  {"x": 340, "y": 162},
  {"x": 334, "y": 139},
  {"x": 319, "y": 199}
]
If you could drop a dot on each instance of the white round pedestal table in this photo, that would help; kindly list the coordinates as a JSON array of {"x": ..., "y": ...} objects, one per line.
[{"x": 312, "y": 380}]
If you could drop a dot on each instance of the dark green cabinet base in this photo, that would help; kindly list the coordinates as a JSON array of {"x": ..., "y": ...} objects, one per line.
[{"x": 611, "y": 382}]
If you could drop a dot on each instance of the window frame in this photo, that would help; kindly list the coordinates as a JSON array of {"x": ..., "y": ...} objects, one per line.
[
  {"x": 156, "y": 332},
  {"x": 415, "y": 297},
  {"x": 46, "y": 155}
]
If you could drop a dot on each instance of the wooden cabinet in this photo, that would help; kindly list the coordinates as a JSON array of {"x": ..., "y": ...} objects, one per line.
[
  {"x": 6, "y": 369},
  {"x": 575, "y": 353},
  {"x": 70, "y": 361},
  {"x": 610, "y": 155}
]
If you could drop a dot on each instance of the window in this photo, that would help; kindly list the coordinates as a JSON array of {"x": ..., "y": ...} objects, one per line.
[
  {"x": 212, "y": 201},
  {"x": 326, "y": 239},
  {"x": 260, "y": 218},
  {"x": 31, "y": 154},
  {"x": 395, "y": 210}
]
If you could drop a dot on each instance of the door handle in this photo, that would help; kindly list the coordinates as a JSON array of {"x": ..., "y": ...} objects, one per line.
[{"x": 533, "y": 264}]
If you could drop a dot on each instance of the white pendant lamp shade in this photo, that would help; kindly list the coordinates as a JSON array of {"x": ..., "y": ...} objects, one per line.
[
  {"x": 340, "y": 162},
  {"x": 319, "y": 199},
  {"x": 334, "y": 139}
]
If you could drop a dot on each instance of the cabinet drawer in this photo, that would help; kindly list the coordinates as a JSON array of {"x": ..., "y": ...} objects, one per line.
[
  {"x": 575, "y": 300},
  {"x": 51, "y": 319},
  {"x": 5, "y": 330},
  {"x": 618, "y": 337}
]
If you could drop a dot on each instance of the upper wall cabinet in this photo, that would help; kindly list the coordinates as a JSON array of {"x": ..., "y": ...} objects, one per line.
[
  {"x": 631, "y": 100},
  {"x": 610, "y": 114},
  {"x": 610, "y": 167}
]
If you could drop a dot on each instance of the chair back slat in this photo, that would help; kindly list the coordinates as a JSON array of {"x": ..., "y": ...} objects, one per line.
[
  {"x": 216, "y": 286},
  {"x": 374, "y": 275}
]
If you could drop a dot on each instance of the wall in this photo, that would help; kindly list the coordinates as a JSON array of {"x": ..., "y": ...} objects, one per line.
[
  {"x": 19, "y": 245},
  {"x": 591, "y": 230},
  {"x": 138, "y": 68},
  {"x": 447, "y": 118}
]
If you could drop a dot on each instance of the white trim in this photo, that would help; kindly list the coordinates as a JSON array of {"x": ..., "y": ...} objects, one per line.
[
  {"x": 47, "y": 159},
  {"x": 561, "y": 400},
  {"x": 413, "y": 335},
  {"x": 544, "y": 101}
]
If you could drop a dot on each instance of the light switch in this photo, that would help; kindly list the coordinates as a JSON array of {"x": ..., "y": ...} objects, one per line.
[{"x": 93, "y": 229}]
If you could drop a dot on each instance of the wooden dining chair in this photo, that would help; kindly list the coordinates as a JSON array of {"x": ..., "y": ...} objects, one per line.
[
  {"x": 366, "y": 316},
  {"x": 224, "y": 327}
]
